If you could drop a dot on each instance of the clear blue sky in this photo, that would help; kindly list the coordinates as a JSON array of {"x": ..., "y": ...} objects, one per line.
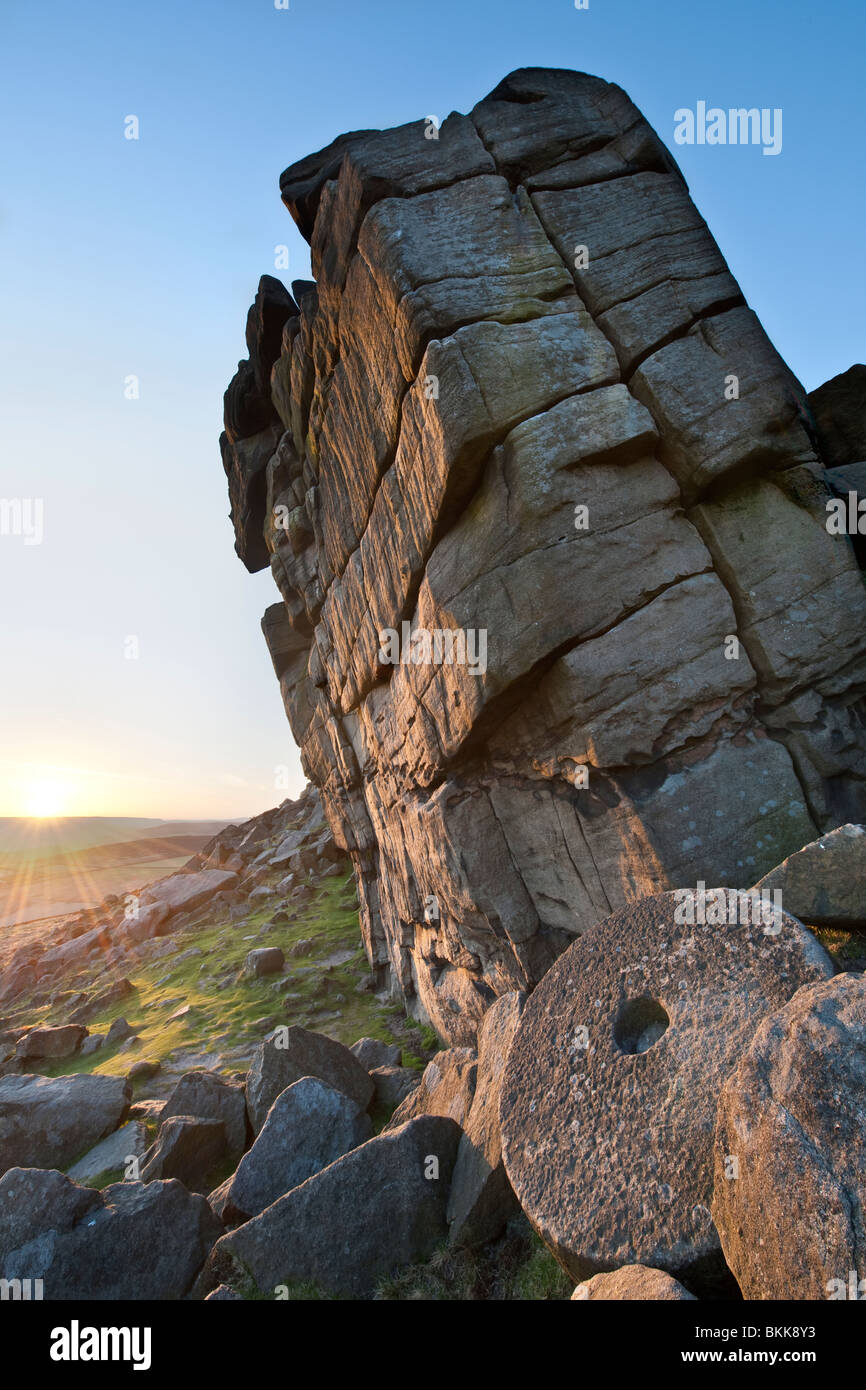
[{"x": 122, "y": 257}]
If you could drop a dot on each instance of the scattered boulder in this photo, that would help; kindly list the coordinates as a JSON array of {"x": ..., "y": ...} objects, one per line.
[
  {"x": 481, "y": 1199},
  {"x": 92, "y": 1043},
  {"x": 46, "y": 1122},
  {"x": 378, "y": 1208},
  {"x": 291, "y": 1053},
  {"x": 790, "y": 1149},
  {"x": 609, "y": 1095},
  {"x": 308, "y": 1126},
  {"x": 130, "y": 1141},
  {"x": 131, "y": 1241},
  {"x": 42, "y": 1043},
  {"x": 186, "y": 1148},
  {"x": 394, "y": 1084},
  {"x": 824, "y": 883},
  {"x": 105, "y": 999},
  {"x": 447, "y": 1088},
  {"x": 632, "y": 1283},
  {"x": 143, "y": 1070},
  {"x": 208, "y": 1096},
  {"x": 372, "y": 1053},
  {"x": 119, "y": 1031},
  {"x": 266, "y": 960},
  {"x": 178, "y": 893}
]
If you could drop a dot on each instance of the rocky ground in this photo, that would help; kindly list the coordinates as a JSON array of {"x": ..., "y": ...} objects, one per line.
[{"x": 206, "y": 1099}]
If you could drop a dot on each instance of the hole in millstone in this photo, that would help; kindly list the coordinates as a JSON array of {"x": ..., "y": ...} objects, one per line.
[{"x": 639, "y": 1024}]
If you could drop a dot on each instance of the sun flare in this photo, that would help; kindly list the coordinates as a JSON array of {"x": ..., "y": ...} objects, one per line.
[{"x": 45, "y": 800}]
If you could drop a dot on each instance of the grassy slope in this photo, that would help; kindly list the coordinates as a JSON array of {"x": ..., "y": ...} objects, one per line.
[{"x": 228, "y": 1012}]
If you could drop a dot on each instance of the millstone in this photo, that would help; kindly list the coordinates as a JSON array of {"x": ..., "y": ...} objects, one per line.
[{"x": 609, "y": 1097}]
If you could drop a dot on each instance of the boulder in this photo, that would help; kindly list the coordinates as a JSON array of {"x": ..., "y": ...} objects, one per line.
[
  {"x": 824, "y": 883},
  {"x": 266, "y": 960},
  {"x": 143, "y": 1070},
  {"x": 92, "y": 1043},
  {"x": 291, "y": 1053},
  {"x": 48, "y": 1122},
  {"x": 130, "y": 1141},
  {"x": 131, "y": 1241},
  {"x": 790, "y": 1150},
  {"x": 104, "y": 999},
  {"x": 447, "y": 1088},
  {"x": 481, "y": 1198},
  {"x": 609, "y": 1096},
  {"x": 308, "y": 1126},
  {"x": 378, "y": 1208},
  {"x": 43, "y": 1043},
  {"x": 372, "y": 1053},
  {"x": 186, "y": 1148},
  {"x": 839, "y": 411},
  {"x": 394, "y": 1084},
  {"x": 633, "y": 1282},
  {"x": 170, "y": 896},
  {"x": 208, "y": 1096},
  {"x": 119, "y": 1031}
]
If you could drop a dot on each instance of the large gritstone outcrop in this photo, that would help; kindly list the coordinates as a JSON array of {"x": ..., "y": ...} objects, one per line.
[{"x": 525, "y": 404}]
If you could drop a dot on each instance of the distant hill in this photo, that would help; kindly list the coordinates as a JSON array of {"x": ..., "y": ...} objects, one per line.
[{"x": 23, "y": 839}]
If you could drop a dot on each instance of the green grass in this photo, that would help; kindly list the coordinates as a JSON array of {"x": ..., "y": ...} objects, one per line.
[
  {"x": 515, "y": 1267},
  {"x": 847, "y": 949},
  {"x": 224, "y": 1004}
]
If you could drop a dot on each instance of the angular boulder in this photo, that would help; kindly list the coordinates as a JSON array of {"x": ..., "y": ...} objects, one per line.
[
  {"x": 608, "y": 1101},
  {"x": 789, "y": 1200},
  {"x": 208, "y": 1096},
  {"x": 380, "y": 1207},
  {"x": 292, "y": 1053},
  {"x": 394, "y": 1084},
  {"x": 309, "y": 1125},
  {"x": 266, "y": 960},
  {"x": 130, "y": 1141},
  {"x": 481, "y": 1198},
  {"x": 42, "y": 1043},
  {"x": 131, "y": 1241},
  {"x": 166, "y": 899},
  {"x": 824, "y": 883},
  {"x": 48, "y": 1122},
  {"x": 447, "y": 1088},
  {"x": 372, "y": 1053},
  {"x": 186, "y": 1148}
]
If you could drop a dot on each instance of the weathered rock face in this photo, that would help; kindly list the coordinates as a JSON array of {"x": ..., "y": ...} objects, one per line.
[
  {"x": 49, "y": 1122},
  {"x": 525, "y": 404},
  {"x": 608, "y": 1101},
  {"x": 130, "y": 1241},
  {"x": 377, "y": 1208},
  {"x": 790, "y": 1150}
]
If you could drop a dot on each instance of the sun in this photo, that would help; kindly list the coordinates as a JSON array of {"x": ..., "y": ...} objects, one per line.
[{"x": 45, "y": 800}]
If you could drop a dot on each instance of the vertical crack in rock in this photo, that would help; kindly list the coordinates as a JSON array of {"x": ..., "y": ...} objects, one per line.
[{"x": 561, "y": 621}]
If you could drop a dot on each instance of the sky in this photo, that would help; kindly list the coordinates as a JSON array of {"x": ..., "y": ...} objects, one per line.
[{"x": 134, "y": 679}]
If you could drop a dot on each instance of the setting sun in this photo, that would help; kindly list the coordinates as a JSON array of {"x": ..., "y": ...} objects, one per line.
[{"x": 45, "y": 800}]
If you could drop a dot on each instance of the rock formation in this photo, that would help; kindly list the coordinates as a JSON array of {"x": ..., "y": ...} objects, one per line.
[
  {"x": 790, "y": 1150},
  {"x": 526, "y": 406}
]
